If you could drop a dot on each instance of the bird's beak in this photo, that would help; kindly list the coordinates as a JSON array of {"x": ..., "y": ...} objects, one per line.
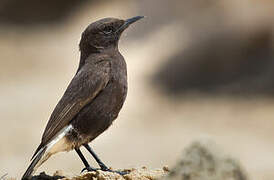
[
  {"x": 129, "y": 22},
  {"x": 133, "y": 20}
]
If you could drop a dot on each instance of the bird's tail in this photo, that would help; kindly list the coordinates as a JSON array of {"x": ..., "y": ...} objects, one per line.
[
  {"x": 43, "y": 152},
  {"x": 35, "y": 163}
]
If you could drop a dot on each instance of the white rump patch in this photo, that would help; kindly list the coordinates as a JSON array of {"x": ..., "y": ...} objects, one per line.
[{"x": 58, "y": 144}]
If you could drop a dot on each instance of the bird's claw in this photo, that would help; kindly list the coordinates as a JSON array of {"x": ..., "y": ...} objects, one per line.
[
  {"x": 122, "y": 173},
  {"x": 109, "y": 170},
  {"x": 89, "y": 169},
  {"x": 104, "y": 168}
]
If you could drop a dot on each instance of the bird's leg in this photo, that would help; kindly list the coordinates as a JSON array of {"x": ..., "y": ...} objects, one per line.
[
  {"x": 100, "y": 163},
  {"x": 87, "y": 166}
]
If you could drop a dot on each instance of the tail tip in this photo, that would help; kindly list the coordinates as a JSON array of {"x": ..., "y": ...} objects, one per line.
[{"x": 26, "y": 176}]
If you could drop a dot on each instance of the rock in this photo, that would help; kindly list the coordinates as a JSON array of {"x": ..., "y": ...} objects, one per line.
[
  {"x": 234, "y": 62},
  {"x": 202, "y": 161},
  {"x": 134, "y": 174},
  {"x": 44, "y": 176},
  {"x": 32, "y": 12}
]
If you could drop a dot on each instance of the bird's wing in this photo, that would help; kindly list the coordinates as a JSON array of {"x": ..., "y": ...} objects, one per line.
[{"x": 84, "y": 87}]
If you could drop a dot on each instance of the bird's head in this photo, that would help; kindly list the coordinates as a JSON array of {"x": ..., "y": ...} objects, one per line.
[{"x": 104, "y": 34}]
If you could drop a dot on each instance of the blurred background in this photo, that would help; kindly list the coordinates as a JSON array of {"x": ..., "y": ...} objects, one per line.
[{"x": 196, "y": 69}]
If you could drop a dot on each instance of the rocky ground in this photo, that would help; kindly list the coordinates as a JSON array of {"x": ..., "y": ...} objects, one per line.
[
  {"x": 199, "y": 161},
  {"x": 141, "y": 173},
  {"x": 132, "y": 174}
]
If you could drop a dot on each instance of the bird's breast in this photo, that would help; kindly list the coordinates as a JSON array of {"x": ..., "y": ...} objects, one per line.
[{"x": 97, "y": 116}]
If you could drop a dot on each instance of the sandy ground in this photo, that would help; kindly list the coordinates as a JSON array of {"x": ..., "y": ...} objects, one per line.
[
  {"x": 151, "y": 130},
  {"x": 131, "y": 174}
]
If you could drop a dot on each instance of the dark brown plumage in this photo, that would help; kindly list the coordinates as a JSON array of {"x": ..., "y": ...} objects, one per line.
[{"x": 93, "y": 98}]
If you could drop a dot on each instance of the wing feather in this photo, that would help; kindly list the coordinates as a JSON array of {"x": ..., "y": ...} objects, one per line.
[{"x": 84, "y": 87}]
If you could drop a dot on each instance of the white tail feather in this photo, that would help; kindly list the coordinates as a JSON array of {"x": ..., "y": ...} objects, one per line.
[{"x": 57, "y": 144}]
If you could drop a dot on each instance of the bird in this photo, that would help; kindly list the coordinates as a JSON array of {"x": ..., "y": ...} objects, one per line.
[{"x": 93, "y": 98}]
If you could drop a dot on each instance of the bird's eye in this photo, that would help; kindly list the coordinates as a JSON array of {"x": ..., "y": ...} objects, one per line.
[{"x": 107, "y": 30}]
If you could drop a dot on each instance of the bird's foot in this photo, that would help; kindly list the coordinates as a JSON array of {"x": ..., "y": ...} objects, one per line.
[
  {"x": 90, "y": 169},
  {"x": 104, "y": 168},
  {"x": 122, "y": 173},
  {"x": 109, "y": 170}
]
